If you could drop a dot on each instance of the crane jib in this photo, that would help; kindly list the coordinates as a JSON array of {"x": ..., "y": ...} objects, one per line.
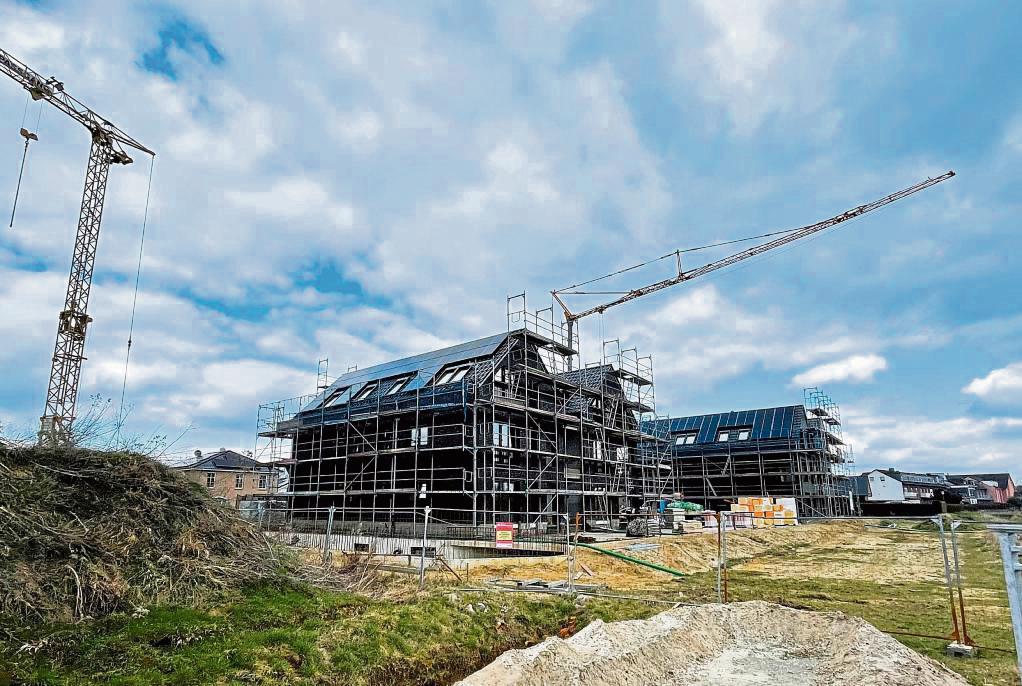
[{"x": 788, "y": 237}]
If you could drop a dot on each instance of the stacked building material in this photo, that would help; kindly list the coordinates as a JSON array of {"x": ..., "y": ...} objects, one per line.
[{"x": 765, "y": 512}]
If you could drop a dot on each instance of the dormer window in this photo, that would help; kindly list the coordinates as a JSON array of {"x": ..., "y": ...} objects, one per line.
[
  {"x": 400, "y": 384},
  {"x": 734, "y": 433},
  {"x": 687, "y": 438},
  {"x": 452, "y": 374},
  {"x": 366, "y": 391},
  {"x": 333, "y": 395}
]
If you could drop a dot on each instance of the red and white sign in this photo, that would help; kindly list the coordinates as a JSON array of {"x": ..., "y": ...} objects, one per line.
[{"x": 505, "y": 535}]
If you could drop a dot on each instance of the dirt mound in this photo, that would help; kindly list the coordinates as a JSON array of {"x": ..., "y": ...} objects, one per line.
[
  {"x": 742, "y": 643},
  {"x": 85, "y": 533}
]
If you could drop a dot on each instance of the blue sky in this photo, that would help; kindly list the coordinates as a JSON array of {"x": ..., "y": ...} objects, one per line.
[{"x": 365, "y": 181}]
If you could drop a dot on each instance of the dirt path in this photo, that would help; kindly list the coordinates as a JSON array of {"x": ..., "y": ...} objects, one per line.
[
  {"x": 742, "y": 643},
  {"x": 834, "y": 550}
]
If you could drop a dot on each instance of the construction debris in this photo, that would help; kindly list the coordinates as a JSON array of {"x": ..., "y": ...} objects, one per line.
[{"x": 743, "y": 643}]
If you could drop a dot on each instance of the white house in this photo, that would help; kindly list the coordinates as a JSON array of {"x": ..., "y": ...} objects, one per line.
[{"x": 883, "y": 487}]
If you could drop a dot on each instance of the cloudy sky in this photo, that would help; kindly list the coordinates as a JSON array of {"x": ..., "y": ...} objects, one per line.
[{"x": 361, "y": 181}]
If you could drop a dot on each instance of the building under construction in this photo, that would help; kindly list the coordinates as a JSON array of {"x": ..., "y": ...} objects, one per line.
[
  {"x": 793, "y": 452},
  {"x": 507, "y": 428},
  {"x": 510, "y": 428}
]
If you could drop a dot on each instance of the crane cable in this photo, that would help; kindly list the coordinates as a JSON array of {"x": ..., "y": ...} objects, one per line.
[
  {"x": 664, "y": 257},
  {"x": 134, "y": 300},
  {"x": 28, "y": 136}
]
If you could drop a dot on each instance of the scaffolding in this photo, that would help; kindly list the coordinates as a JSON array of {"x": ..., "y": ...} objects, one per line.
[
  {"x": 518, "y": 432},
  {"x": 799, "y": 454}
]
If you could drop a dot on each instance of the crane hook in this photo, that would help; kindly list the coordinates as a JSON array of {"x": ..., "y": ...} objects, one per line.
[{"x": 29, "y": 137}]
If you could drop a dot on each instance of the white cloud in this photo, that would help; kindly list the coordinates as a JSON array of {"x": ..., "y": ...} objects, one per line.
[
  {"x": 294, "y": 198},
  {"x": 759, "y": 58},
  {"x": 1002, "y": 385},
  {"x": 358, "y": 129},
  {"x": 917, "y": 443},
  {"x": 852, "y": 369}
]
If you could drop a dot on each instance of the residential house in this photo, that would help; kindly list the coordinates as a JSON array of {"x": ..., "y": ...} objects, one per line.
[
  {"x": 973, "y": 491},
  {"x": 1000, "y": 486},
  {"x": 892, "y": 485},
  {"x": 231, "y": 476}
]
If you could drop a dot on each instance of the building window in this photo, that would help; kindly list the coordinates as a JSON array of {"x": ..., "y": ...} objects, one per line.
[
  {"x": 685, "y": 438},
  {"x": 333, "y": 395},
  {"x": 420, "y": 436},
  {"x": 500, "y": 375},
  {"x": 366, "y": 391},
  {"x": 622, "y": 454},
  {"x": 743, "y": 435},
  {"x": 239, "y": 480},
  {"x": 210, "y": 479},
  {"x": 724, "y": 436},
  {"x": 399, "y": 384},
  {"x": 502, "y": 435},
  {"x": 451, "y": 374},
  {"x": 262, "y": 481}
]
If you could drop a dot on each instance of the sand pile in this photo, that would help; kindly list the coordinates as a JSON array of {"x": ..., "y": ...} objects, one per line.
[{"x": 742, "y": 643}]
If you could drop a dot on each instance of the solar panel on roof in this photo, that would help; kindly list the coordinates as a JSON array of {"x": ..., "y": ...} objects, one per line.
[{"x": 425, "y": 364}]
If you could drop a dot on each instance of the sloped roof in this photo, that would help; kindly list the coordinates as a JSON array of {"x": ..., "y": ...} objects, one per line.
[
  {"x": 227, "y": 459},
  {"x": 424, "y": 366},
  {"x": 915, "y": 477},
  {"x": 590, "y": 377},
  {"x": 765, "y": 423},
  {"x": 1001, "y": 479}
]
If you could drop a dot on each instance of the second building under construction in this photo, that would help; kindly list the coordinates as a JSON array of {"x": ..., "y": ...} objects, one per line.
[{"x": 795, "y": 451}]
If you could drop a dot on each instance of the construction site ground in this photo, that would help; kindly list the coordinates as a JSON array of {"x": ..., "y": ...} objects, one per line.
[
  {"x": 891, "y": 577},
  {"x": 395, "y": 634}
]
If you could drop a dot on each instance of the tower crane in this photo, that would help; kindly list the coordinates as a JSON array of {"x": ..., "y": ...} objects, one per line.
[
  {"x": 109, "y": 146},
  {"x": 786, "y": 237}
]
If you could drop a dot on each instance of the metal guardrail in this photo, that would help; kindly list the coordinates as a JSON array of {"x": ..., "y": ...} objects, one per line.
[{"x": 1009, "y": 536}]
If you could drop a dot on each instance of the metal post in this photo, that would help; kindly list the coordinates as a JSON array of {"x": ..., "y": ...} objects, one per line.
[
  {"x": 958, "y": 581},
  {"x": 326, "y": 535},
  {"x": 723, "y": 549},
  {"x": 570, "y": 557},
  {"x": 422, "y": 551},
  {"x": 1009, "y": 536},
  {"x": 956, "y": 635},
  {"x": 720, "y": 558}
]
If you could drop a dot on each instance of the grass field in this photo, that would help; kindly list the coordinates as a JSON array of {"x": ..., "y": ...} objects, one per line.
[
  {"x": 295, "y": 635},
  {"x": 291, "y": 635}
]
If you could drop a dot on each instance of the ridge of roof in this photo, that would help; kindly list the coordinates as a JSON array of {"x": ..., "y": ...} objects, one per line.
[
  {"x": 225, "y": 459},
  {"x": 726, "y": 412},
  {"x": 1000, "y": 478}
]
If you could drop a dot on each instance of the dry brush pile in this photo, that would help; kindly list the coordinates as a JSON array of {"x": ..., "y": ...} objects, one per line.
[{"x": 85, "y": 533}]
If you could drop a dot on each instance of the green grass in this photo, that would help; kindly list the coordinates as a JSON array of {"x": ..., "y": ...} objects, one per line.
[
  {"x": 286, "y": 634},
  {"x": 294, "y": 635}
]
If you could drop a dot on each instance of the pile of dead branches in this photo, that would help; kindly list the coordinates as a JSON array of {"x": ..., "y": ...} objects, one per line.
[{"x": 85, "y": 533}]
